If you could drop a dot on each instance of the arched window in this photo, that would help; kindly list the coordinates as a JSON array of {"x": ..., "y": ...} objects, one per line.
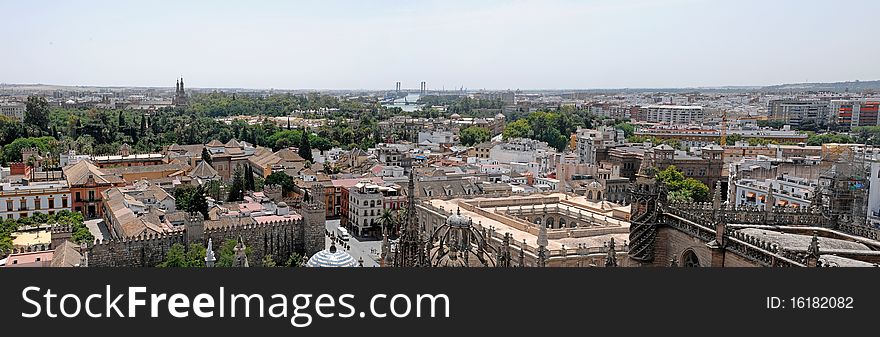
[
  {"x": 590, "y": 195},
  {"x": 550, "y": 222},
  {"x": 599, "y": 195},
  {"x": 537, "y": 220},
  {"x": 573, "y": 224},
  {"x": 690, "y": 259},
  {"x": 562, "y": 223}
]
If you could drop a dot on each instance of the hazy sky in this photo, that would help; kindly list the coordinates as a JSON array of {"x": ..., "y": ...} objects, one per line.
[{"x": 475, "y": 44}]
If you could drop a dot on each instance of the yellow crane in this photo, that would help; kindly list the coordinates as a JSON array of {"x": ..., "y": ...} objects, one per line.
[{"x": 723, "y": 128}]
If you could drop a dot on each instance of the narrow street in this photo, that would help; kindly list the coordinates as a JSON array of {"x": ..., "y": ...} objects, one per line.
[{"x": 368, "y": 249}]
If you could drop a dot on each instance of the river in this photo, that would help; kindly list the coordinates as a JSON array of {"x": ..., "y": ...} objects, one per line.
[{"x": 401, "y": 103}]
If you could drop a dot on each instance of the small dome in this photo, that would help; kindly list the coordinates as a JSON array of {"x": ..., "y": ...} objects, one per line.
[
  {"x": 595, "y": 185},
  {"x": 332, "y": 257},
  {"x": 455, "y": 116},
  {"x": 458, "y": 220},
  {"x": 499, "y": 116},
  {"x": 282, "y": 204}
]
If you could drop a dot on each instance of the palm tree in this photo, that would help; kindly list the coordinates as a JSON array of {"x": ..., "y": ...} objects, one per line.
[{"x": 387, "y": 220}]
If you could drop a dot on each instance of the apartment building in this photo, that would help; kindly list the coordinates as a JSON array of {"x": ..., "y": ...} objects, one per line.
[{"x": 673, "y": 114}]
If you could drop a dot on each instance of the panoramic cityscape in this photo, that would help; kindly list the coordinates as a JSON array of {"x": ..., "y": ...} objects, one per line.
[{"x": 261, "y": 156}]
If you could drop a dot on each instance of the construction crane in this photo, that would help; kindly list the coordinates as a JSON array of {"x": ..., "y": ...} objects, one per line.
[{"x": 723, "y": 140}]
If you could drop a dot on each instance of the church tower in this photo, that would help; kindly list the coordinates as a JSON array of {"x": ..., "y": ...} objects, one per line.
[{"x": 180, "y": 98}]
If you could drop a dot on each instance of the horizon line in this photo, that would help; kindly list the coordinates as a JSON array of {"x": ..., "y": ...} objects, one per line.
[{"x": 440, "y": 90}]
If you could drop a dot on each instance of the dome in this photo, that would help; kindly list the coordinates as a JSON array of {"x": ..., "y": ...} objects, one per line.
[
  {"x": 282, "y": 204},
  {"x": 455, "y": 116},
  {"x": 499, "y": 116},
  {"x": 595, "y": 185},
  {"x": 458, "y": 220},
  {"x": 332, "y": 257}
]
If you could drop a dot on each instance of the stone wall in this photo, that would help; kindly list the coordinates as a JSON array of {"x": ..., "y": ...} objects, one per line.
[
  {"x": 672, "y": 243},
  {"x": 279, "y": 239}
]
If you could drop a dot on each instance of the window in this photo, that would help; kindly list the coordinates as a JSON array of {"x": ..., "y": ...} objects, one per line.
[
  {"x": 690, "y": 259},
  {"x": 91, "y": 195},
  {"x": 78, "y": 196},
  {"x": 9, "y": 205},
  {"x": 38, "y": 203},
  {"x": 64, "y": 202},
  {"x": 51, "y": 202}
]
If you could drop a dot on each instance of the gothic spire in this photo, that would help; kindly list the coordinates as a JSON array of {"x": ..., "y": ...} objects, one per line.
[
  {"x": 410, "y": 247},
  {"x": 542, "y": 243},
  {"x": 209, "y": 254},
  {"x": 813, "y": 252},
  {"x": 611, "y": 257},
  {"x": 240, "y": 256}
]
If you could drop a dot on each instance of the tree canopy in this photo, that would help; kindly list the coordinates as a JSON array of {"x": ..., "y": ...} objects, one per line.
[
  {"x": 681, "y": 188},
  {"x": 178, "y": 256},
  {"x": 474, "y": 135}
]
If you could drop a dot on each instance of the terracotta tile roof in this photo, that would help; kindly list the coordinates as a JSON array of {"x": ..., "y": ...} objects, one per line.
[{"x": 79, "y": 173}]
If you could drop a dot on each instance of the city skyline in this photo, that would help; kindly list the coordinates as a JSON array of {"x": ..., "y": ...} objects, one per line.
[{"x": 450, "y": 45}]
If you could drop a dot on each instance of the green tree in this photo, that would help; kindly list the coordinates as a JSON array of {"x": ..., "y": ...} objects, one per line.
[
  {"x": 206, "y": 156},
  {"x": 829, "y": 138},
  {"x": 387, "y": 220},
  {"x": 12, "y": 151},
  {"x": 121, "y": 122},
  {"x": 182, "y": 196},
  {"x": 198, "y": 202},
  {"x": 281, "y": 179},
  {"x": 178, "y": 256},
  {"x": 37, "y": 113},
  {"x": 321, "y": 143},
  {"x": 305, "y": 148},
  {"x": 236, "y": 190},
  {"x": 249, "y": 178},
  {"x": 268, "y": 261},
  {"x": 81, "y": 234},
  {"x": 175, "y": 257},
  {"x": 734, "y": 138},
  {"x": 517, "y": 129},
  {"x": 474, "y": 135},
  {"x": 227, "y": 253},
  {"x": 295, "y": 260},
  {"x": 681, "y": 187},
  {"x": 627, "y": 128}
]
